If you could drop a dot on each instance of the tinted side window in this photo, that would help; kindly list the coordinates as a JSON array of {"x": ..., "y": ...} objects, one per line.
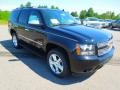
[
  {"x": 34, "y": 18},
  {"x": 23, "y": 18},
  {"x": 14, "y": 15}
]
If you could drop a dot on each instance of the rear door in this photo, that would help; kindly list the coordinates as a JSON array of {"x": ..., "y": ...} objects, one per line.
[{"x": 22, "y": 20}]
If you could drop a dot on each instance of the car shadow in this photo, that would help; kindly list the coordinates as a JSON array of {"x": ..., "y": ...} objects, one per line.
[{"x": 38, "y": 65}]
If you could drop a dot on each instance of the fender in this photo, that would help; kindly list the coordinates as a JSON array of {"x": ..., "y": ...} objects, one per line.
[{"x": 67, "y": 43}]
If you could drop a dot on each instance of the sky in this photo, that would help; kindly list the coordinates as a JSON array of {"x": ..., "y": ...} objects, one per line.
[{"x": 99, "y": 6}]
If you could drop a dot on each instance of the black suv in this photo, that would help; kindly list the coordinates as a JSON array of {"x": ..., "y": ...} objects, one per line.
[{"x": 69, "y": 46}]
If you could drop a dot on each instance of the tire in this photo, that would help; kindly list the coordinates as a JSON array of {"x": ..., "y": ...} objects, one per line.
[
  {"x": 15, "y": 41},
  {"x": 57, "y": 63},
  {"x": 111, "y": 27}
]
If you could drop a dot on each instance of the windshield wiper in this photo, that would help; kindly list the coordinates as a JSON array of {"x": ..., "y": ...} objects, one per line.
[{"x": 60, "y": 24}]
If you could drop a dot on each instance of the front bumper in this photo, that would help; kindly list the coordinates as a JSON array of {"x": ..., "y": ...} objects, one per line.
[{"x": 85, "y": 64}]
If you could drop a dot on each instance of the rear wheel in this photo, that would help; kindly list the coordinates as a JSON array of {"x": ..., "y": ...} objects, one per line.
[
  {"x": 57, "y": 63},
  {"x": 15, "y": 41}
]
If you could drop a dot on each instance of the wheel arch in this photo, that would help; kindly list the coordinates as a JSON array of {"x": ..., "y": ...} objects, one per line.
[
  {"x": 51, "y": 46},
  {"x": 12, "y": 31}
]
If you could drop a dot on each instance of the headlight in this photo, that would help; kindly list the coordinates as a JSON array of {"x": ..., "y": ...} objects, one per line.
[{"x": 85, "y": 49}]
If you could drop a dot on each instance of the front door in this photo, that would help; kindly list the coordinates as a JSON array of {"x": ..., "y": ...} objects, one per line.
[{"x": 35, "y": 34}]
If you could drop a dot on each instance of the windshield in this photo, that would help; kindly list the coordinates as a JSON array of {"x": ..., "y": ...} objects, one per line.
[{"x": 57, "y": 17}]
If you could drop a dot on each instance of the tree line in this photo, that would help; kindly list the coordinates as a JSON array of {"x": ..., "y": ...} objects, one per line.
[
  {"x": 91, "y": 13},
  {"x": 4, "y": 15},
  {"x": 28, "y": 4},
  {"x": 83, "y": 14}
]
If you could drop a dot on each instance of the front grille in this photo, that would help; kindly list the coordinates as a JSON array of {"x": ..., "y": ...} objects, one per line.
[{"x": 104, "y": 47}]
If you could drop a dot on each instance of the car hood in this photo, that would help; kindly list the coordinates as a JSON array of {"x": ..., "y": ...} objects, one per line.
[{"x": 85, "y": 34}]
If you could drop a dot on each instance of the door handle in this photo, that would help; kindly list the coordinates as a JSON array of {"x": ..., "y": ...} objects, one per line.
[{"x": 26, "y": 29}]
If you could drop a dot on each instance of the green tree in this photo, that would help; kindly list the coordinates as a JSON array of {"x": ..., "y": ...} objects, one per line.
[
  {"x": 75, "y": 14},
  {"x": 90, "y": 12},
  {"x": 117, "y": 16},
  {"x": 57, "y": 7},
  {"x": 21, "y": 6},
  {"x": 108, "y": 15},
  {"x": 83, "y": 14},
  {"x": 54, "y": 7},
  {"x": 42, "y": 6},
  {"x": 103, "y": 16},
  {"x": 112, "y": 16},
  {"x": 28, "y": 4},
  {"x": 96, "y": 15}
]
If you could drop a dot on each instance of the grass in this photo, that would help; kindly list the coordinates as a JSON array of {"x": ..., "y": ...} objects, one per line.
[{"x": 3, "y": 22}]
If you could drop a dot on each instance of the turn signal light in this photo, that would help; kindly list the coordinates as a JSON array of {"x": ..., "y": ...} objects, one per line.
[{"x": 78, "y": 51}]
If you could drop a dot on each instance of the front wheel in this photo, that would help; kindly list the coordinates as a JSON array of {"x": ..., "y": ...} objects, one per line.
[{"x": 58, "y": 63}]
